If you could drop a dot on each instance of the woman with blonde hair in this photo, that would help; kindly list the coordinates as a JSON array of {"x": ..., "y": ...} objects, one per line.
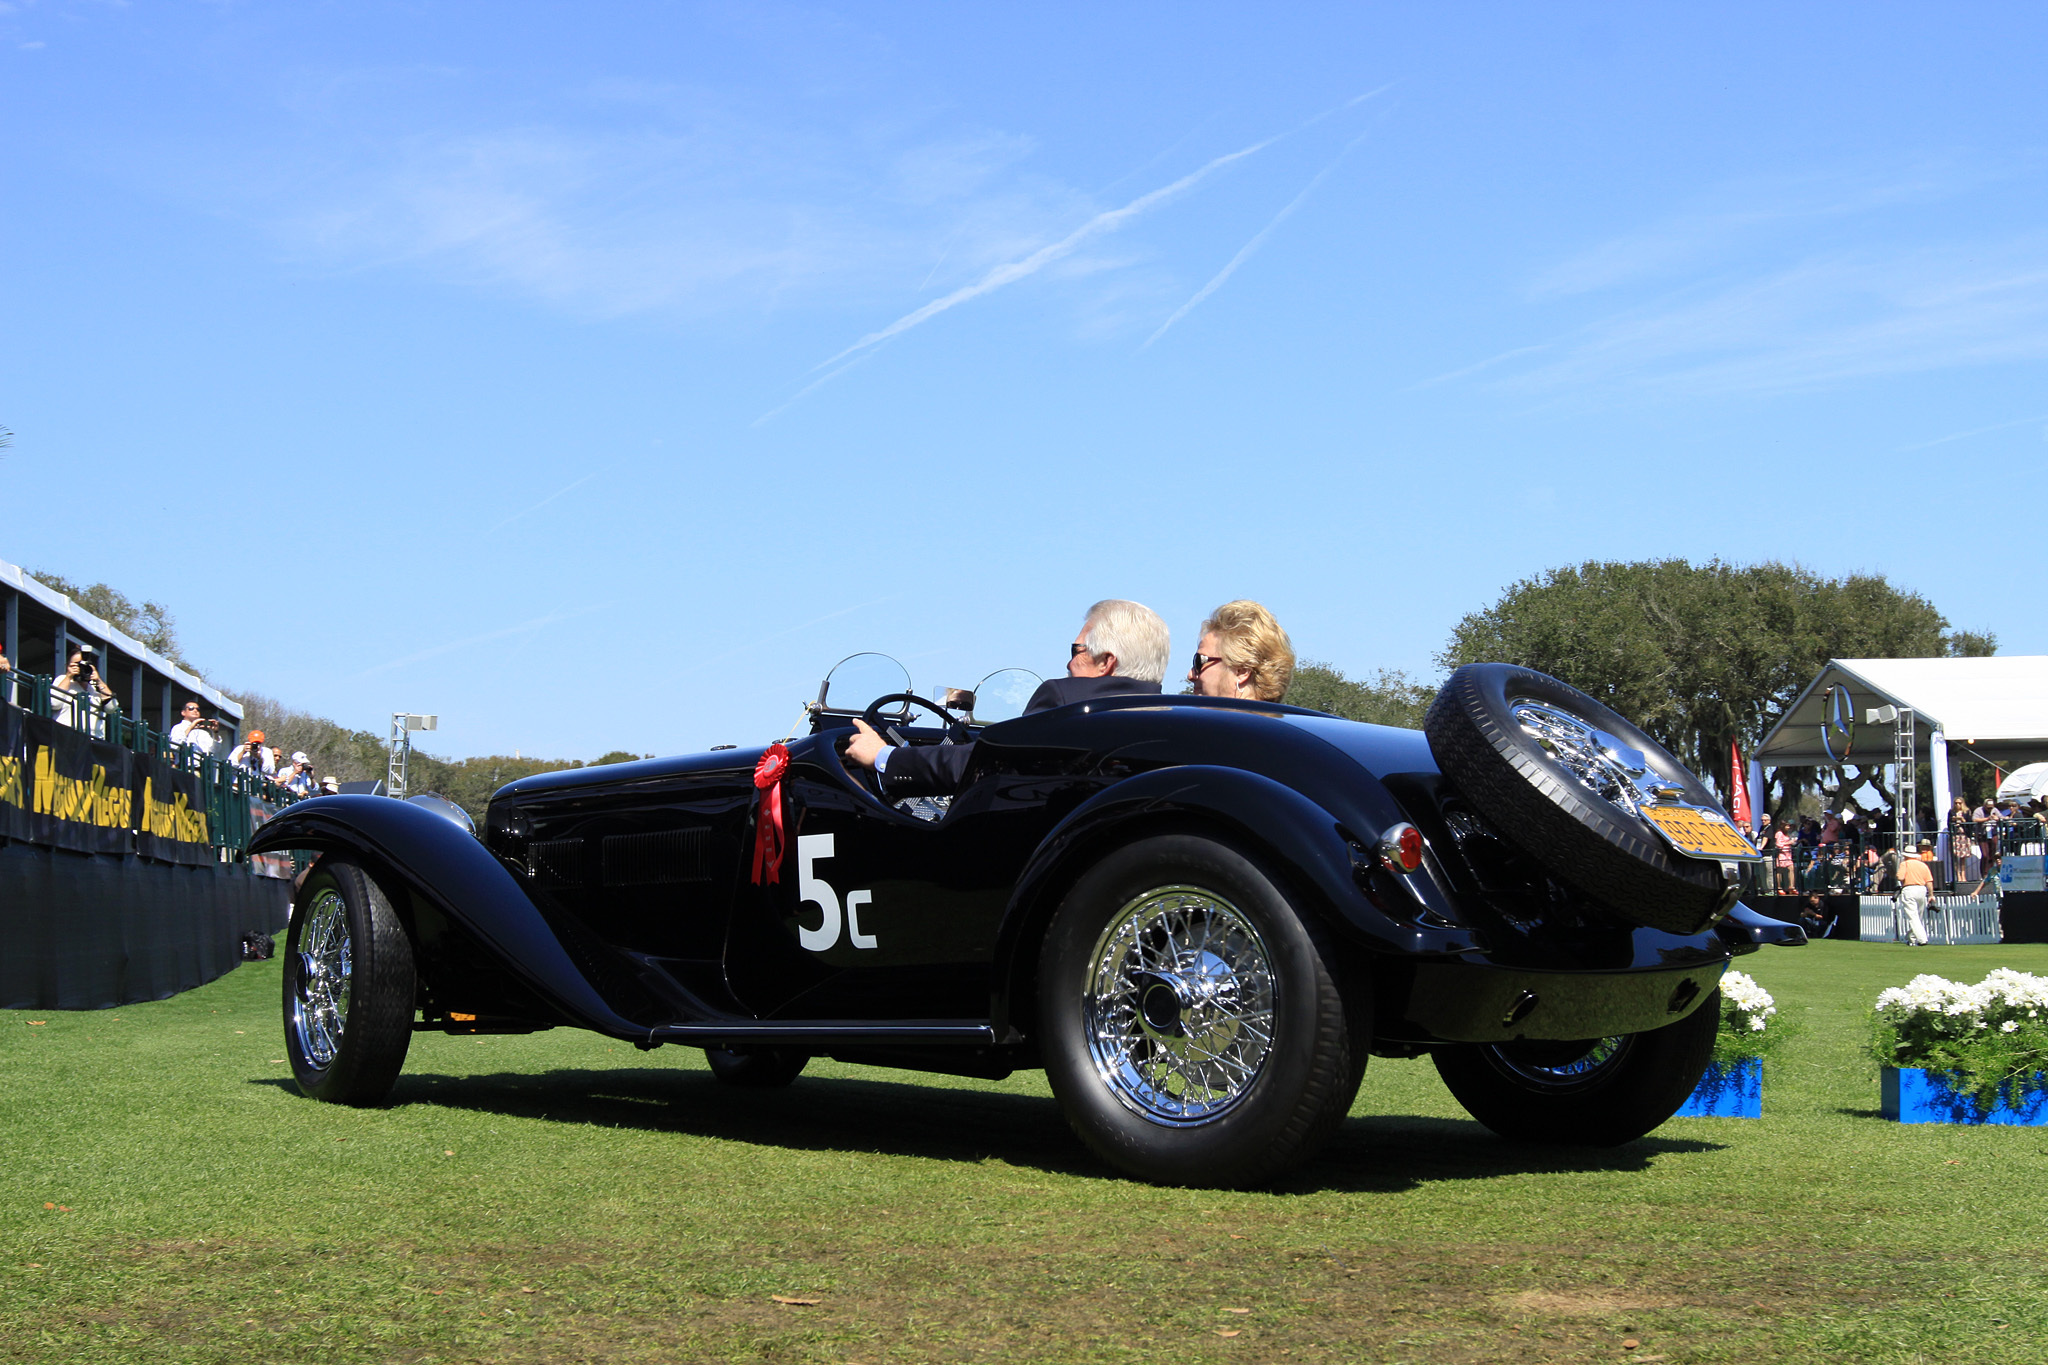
[{"x": 1243, "y": 653}]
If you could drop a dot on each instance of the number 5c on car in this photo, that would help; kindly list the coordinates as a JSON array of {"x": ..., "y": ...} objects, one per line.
[{"x": 812, "y": 849}]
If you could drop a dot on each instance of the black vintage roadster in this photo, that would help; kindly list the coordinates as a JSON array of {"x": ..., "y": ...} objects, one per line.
[{"x": 1199, "y": 916}]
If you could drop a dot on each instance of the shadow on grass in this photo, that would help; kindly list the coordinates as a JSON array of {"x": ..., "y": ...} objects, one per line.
[{"x": 1380, "y": 1153}]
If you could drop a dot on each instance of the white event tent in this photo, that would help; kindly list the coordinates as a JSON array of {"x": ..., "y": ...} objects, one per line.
[{"x": 1994, "y": 709}]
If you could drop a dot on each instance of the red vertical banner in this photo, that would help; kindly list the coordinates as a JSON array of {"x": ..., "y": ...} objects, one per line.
[{"x": 1738, "y": 786}]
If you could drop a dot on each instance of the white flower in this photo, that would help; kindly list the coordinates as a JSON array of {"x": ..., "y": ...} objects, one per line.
[{"x": 2009, "y": 1026}]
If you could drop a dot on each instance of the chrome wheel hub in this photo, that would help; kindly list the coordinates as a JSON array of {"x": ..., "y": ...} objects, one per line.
[
  {"x": 320, "y": 998},
  {"x": 1605, "y": 765},
  {"x": 1179, "y": 1005}
]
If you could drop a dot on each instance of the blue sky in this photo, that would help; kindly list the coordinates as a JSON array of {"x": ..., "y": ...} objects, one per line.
[{"x": 595, "y": 376}]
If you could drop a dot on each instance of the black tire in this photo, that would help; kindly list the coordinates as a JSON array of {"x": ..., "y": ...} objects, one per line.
[
  {"x": 353, "y": 1054},
  {"x": 1113, "y": 1031},
  {"x": 1584, "y": 838},
  {"x": 1592, "y": 1093},
  {"x": 759, "y": 1068}
]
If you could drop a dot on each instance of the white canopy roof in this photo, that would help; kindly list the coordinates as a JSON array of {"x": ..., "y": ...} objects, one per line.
[
  {"x": 2025, "y": 784},
  {"x": 1995, "y": 708}
]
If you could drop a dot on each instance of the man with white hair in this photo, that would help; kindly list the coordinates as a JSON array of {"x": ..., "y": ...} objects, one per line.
[{"x": 1121, "y": 648}]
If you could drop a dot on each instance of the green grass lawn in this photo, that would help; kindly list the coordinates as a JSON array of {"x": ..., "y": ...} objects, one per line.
[{"x": 166, "y": 1195}]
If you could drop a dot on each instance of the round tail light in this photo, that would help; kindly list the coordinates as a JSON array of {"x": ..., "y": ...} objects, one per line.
[{"x": 1401, "y": 849}]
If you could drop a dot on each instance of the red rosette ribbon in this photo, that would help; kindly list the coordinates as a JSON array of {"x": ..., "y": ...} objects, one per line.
[{"x": 768, "y": 837}]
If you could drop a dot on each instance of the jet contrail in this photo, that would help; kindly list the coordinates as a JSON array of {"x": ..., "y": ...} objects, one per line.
[
  {"x": 546, "y": 500},
  {"x": 1248, "y": 248},
  {"x": 1108, "y": 221}
]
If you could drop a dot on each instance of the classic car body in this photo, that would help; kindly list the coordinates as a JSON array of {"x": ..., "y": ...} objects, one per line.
[{"x": 620, "y": 898}]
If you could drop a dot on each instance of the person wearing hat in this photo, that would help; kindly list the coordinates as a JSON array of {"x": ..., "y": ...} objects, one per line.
[
  {"x": 1916, "y": 884},
  {"x": 251, "y": 756},
  {"x": 300, "y": 780}
]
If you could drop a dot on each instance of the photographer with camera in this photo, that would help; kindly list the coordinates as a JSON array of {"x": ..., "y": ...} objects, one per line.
[
  {"x": 252, "y": 756},
  {"x": 194, "y": 729},
  {"x": 79, "y": 698},
  {"x": 300, "y": 780}
]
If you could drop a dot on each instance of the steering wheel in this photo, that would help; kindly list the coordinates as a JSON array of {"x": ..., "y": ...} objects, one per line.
[{"x": 873, "y": 715}]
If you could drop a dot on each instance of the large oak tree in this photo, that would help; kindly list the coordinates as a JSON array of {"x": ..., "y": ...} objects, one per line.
[{"x": 1700, "y": 655}]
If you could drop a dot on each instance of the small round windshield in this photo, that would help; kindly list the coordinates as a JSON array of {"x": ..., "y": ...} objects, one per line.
[
  {"x": 860, "y": 678},
  {"x": 1002, "y": 694}
]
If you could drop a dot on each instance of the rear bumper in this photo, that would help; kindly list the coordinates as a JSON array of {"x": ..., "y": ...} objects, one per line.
[{"x": 1477, "y": 1002}]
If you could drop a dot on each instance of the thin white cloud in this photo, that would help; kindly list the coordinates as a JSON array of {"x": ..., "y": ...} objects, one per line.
[
  {"x": 1468, "y": 371},
  {"x": 1966, "y": 435},
  {"x": 450, "y": 646},
  {"x": 737, "y": 650},
  {"x": 1823, "y": 321},
  {"x": 1244, "y": 252},
  {"x": 1741, "y": 213}
]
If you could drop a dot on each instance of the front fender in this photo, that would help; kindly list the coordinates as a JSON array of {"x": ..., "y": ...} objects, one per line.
[
  {"x": 445, "y": 864},
  {"x": 1304, "y": 842}
]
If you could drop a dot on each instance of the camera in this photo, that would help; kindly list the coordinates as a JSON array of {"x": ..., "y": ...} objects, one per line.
[{"x": 88, "y": 660}]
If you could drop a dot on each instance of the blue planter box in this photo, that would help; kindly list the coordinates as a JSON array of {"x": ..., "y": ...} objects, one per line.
[
  {"x": 1915, "y": 1096},
  {"x": 1736, "y": 1092}
]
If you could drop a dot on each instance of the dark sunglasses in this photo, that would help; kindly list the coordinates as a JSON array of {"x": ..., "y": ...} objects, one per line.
[
  {"x": 1076, "y": 650},
  {"x": 1202, "y": 662}
]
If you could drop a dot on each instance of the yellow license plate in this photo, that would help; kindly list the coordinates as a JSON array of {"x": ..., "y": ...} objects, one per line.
[{"x": 1699, "y": 833}]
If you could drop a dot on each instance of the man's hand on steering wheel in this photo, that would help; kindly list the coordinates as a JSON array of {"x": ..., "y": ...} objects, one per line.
[{"x": 865, "y": 745}]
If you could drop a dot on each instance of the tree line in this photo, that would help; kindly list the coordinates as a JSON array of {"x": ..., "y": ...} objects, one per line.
[{"x": 1700, "y": 655}]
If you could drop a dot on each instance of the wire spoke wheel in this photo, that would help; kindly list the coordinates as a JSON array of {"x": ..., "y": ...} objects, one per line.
[
  {"x": 1560, "y": 1068},
  {"x": 1610, "y": 769},
  {"x": 320, "y": 1005},
  {"x": 349, "y": 986},
  {"x": 1179, "y": 1007}
]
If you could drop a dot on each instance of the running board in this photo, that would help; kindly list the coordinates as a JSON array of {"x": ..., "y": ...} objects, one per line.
[{"x": 828, "y": 1033}]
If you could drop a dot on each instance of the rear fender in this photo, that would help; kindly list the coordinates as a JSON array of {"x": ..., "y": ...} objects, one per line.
[
  {"x": 444, "y": 864},
  {"x": 1302, "y": 842}
]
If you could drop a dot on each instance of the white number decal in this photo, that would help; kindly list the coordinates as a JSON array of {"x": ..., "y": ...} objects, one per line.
[
  {"x": 855, "y": 900},
  {"x": 810, "y": 849}
]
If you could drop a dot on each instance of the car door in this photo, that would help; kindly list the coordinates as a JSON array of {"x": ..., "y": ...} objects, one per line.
[{"x": 878, "y": 914}]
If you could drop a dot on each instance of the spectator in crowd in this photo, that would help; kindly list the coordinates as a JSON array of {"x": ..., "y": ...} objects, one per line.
[
  {"x": 1960, "y": 846},
  {"x": 1813, "y": 916},
  {"x": 276, "y": 758},
  {"x": 300, "y": 780},
  {"x": 6, "y": 679},
  {"x": 252, "y": 756},
  {"x": 1916, "y": 884},
  {"x": 79, "y": 698},
  {"x": 330, "y": 786},
  {"x": 194, "y": 729},
  {"x": 1243, "y": 653},
  {"x": 1778, "y": 844}
]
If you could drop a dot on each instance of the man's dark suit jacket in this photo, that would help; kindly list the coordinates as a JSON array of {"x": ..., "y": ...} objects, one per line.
[{"x": 940, "y": 769}]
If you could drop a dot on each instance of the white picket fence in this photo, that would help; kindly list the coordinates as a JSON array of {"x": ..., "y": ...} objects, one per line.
[{"x": 1950, "y": 919}]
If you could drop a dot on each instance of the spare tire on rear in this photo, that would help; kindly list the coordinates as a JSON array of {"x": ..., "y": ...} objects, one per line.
[{"x": 1563, "y": 777}]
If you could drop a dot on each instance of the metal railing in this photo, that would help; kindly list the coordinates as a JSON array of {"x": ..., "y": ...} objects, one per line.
[
  {"x": 1867, "y": 864},
  {"x": 226, "y": 788},
  {"x": 1947, "y": 919}
]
